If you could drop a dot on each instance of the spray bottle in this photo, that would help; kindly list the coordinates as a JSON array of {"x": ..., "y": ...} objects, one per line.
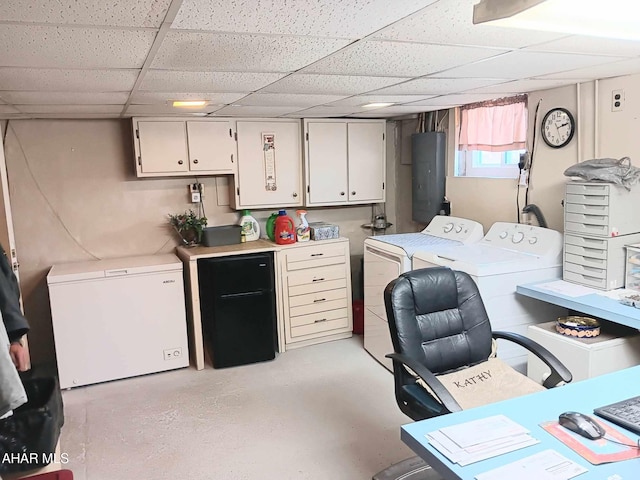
[{"x": 303, "y": 232}]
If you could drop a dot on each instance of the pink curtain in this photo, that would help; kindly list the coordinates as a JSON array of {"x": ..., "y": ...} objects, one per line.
[{"x": 493, "y": 127}]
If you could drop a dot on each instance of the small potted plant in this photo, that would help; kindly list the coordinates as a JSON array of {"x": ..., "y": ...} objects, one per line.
[{"x": 189, "y": 226}]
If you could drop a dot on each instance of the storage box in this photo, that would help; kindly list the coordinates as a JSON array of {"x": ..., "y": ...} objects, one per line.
[
  {"x": 323, "y": 231},
  {"x": 222, "y": 235},
  {"x": 632, "y": 277}
]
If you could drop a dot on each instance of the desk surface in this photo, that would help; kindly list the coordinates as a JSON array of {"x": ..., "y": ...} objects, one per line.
[
  {"x": 591, "y": 304},
  {"x": 529, "y": 411}
]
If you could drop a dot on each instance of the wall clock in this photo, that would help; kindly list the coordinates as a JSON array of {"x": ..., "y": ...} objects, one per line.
[{"x": 558, "y": 127}]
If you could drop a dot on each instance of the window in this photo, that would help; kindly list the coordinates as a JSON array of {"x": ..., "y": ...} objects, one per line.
[{"x": 491, "y": 136}]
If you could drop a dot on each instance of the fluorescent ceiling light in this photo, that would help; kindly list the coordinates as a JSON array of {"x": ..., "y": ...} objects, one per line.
[
  {"x": 189, "y": 103},
  {"x": 377, "y": 105},
  {"x": 600, "y": 18}
]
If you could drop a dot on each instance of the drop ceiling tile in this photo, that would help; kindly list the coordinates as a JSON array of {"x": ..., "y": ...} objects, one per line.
[
  {"x": 73, "y": 47},
  {"x": 522, "y": 64},
  {"x": 164, "y": 109},
  {"x": 168, "y": 97},
  {"x": 456, "y": 99},
  {"x": 67, "y": 80},
  {"x": 590, "y": 45},
  {"x": 287, "y": 99},
  {"x": 79, "y": 109},
  {"x": 360, "y": 100},
  {"x": 437, "y": 86},
  {"x": 65, "y": 115},
  {"x": 398, "y": 59},
  {"x": 330, "y": 84},
  {"x": 255, "y": 111},
  {"x": 8, "y": 109},
  {"x": 451, "y": 22},
  {"x": 396, "y": 111},
  {"x": 61, "y": 98},
  {"x": 325, "y": 111},
  {"x": 615, "y": 69},
  {"x": 123, "y": 13},
  {"x": 324, "y": 18},
  {"x": 241, "y": 53},
  {"x": 175, "y": 81},
  {"x": 524, "y": 86}
]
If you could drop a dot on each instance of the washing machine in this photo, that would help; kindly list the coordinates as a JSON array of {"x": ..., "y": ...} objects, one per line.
[
  {"x": 387, "y": 256},
  {"x": 510, "y": 254}
]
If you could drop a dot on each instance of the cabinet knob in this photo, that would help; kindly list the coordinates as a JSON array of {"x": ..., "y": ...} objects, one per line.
[
  {"x": 353, "y": 193},
  {"x": 295, "y": 194},
  {"x": 195, "y": 160},
  {"x": 342, "y": 194},
  {"x": 180, "y": 162}
]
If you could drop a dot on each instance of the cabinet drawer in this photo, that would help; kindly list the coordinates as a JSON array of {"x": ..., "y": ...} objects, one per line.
[
  {"x": 320, "y": 317},
  {"x": 584, "y": 280},
  {"x": 587, "y": 199},
  {"x": 323, "y": 324},
  {"x": 318, "y": 307},
  {"x": 582, "y": 189},
  {"x": 317, "y": 298},
  {"x": 587, "y": 219},
  {"x": 317, "y": 287},
  {"x": 585, "y": 251},
  {"x": 601, "y": 230},
  {"x": 584, "y": 209},
  {"x": 316, "y": 256},
  {"x": 591, "y": 243},
  {"x": 586, "y": 261},
  {"x": 316, "y": 276},
  {"x": 584, "y": 270}
]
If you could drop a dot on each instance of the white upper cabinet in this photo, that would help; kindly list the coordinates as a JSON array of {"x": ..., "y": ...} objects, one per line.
[
  {"x": 344, "y": 161},
  {"x": 174, "y": 147},
  {"x": 269, "y": 165}
]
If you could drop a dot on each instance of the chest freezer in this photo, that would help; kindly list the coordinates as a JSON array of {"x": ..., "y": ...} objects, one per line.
[{"x": 118, "y": 318}]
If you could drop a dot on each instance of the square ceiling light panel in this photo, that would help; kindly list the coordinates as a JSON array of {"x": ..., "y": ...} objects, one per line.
[
  {"x": 180, "y": 81},
  {"x": 46, "y": 79},
  {"x": 73, "y": 47},
  {"x": 320, "y": 18},
  {"x": 122, "y": 13},
  {"x": 330, "y": 84},
  {"x": 380, "y": 58},
  {"x": 458, "y": 29},
  {"x": 241, "y": 53}
]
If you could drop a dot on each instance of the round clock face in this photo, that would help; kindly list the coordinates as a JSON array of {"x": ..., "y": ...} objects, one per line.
[{"x": 558, "y": 127}]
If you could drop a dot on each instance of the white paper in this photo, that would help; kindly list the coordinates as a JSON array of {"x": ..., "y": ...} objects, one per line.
[
  {"x": 568, "y": 289},
  {"x": 483, "y": 430},
  {"x": 619, "y": 293},
  {"x": 546, "y": 465}
]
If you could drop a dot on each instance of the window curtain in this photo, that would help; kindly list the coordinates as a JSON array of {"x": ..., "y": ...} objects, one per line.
[{"x": 494, "y": 126}]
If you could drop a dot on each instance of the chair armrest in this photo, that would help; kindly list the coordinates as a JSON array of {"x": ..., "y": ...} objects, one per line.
[
  {"x": 559, "y": 373},
  {"x": 430, "y": 379}
]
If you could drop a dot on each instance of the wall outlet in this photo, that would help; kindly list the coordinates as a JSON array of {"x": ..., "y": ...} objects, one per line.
[
  {"x": 617, "y": 100},
  {"x": 172, "y": 353},
  {"x": 197, "y": 192}
]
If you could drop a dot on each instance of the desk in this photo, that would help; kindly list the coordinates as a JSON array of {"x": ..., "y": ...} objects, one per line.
[
  {"x": 591, "y": 304},
  {"x": 529, "y": 411}
]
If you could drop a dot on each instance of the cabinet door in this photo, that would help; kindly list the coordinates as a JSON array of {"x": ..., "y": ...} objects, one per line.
[
  {"x": 366, "y": 147},
  {"x": 269, "y": 177},
  {"x": 163, "y": 147},
  {"x": 210, "y": 146},
  {"x": 327, "y": 163}
]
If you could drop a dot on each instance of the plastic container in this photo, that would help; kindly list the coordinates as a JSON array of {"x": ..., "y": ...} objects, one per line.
[
  {"x": 223, "y": 235},
  {"x": 250, "y": 227},
  {"x": 271, "y": 225},
  {"x": 284, "y": 231},
  {"x": 303, "y": 232}
]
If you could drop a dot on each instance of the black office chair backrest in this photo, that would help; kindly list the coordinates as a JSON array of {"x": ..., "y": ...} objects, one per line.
[{"x": 437, "y": 317}]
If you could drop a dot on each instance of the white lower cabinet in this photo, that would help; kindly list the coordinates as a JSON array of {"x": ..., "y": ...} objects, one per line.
[{"x": 316, "y": 292}]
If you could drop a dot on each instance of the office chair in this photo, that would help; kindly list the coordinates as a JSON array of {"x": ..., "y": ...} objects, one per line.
[{"x": 443, "y": 341}]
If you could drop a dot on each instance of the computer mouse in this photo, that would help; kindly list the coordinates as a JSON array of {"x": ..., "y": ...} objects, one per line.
[{"x": 581, "y": 424}]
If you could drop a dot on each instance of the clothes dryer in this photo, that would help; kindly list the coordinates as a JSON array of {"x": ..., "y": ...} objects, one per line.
[
  {"x": 510, "y": 254},
  {"x": 387, "y": 256}
]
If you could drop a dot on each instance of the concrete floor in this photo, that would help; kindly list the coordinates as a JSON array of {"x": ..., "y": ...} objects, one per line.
[{"x": 321, "y": 412}]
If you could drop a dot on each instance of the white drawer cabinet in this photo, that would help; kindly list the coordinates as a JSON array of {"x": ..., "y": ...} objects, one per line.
[
  {"x": 316, "y": 292},
  {"x": 177, "y": 147}
]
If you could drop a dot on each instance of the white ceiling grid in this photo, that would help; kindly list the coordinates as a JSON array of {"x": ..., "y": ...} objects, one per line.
[{"x": 271, "y": 58}]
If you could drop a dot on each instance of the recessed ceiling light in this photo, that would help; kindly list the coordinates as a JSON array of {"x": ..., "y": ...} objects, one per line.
[
  {"x": 377, "y": 105},
  {"x": 189, "y": 103}
]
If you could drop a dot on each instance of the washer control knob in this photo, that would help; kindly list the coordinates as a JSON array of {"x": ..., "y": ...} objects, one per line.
[
  {"x": 458, "y": 228},
  {"x": 533, "y": 240},
  {"x": 448, "y": 227},
  {"x": 517, "y": 237},
  {"x": 503, "y": 235}
]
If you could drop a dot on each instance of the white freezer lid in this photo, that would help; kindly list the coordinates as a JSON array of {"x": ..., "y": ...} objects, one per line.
[{"x": 113, "y": 267}]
